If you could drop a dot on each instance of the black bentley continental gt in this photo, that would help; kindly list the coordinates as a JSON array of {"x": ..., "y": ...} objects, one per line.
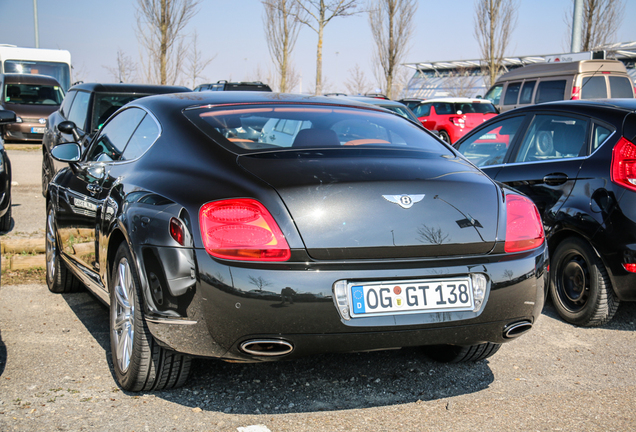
[{"x": 254, "y": 227}]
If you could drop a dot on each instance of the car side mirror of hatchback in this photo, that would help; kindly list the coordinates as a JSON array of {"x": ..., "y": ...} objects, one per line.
[
  {"x": 7, "y": 117},
  {"x": 67, "y": 152}
]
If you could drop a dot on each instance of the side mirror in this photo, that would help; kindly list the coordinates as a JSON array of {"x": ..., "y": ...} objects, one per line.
[
  {"x": 67, "y": 152},
  {"x": 7, "y": 117},
  {"x": 66, "y": 127}
]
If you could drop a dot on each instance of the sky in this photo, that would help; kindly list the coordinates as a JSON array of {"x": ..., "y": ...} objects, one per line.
[{"x": 231, "y": 32}]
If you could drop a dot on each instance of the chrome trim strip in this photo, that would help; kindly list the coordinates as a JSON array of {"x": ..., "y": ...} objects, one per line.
[{"x": 178, "y": 321}]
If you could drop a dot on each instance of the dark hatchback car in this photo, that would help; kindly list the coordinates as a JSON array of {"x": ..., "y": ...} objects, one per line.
[
  {"x": 356, "y": 235},
  {"x": 84, "y": 110},
  {"x": 6, "y": 118},
  {"x": 577, "y": 161}
]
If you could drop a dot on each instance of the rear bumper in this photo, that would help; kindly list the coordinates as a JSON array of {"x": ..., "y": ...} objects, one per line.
[{"x": 233, "y": 304}]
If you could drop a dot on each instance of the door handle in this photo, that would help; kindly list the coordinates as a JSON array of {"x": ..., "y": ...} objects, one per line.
[
  {"x": 555, "y": 179},
  {"x": 94, "y": 188}
]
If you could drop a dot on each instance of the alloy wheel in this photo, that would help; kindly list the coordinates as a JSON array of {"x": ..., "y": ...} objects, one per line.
[
  {"x": 123, "y": 319},
  {"x": 51, "y": 249}
]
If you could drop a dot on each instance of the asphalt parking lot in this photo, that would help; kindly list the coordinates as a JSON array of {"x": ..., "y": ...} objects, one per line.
[{"x": 55, "y": 374}]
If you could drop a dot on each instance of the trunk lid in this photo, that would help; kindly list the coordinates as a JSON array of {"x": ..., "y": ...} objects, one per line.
[{"x": 351, "y": 205}]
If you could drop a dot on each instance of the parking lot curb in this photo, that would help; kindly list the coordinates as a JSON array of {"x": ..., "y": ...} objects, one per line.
[{"x": 23, "y": 253}]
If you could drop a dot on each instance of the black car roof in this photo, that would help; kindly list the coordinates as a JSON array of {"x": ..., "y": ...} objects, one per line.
[
  {"x": 129, "y": 88},
  {"x": 194, "y": 99}
]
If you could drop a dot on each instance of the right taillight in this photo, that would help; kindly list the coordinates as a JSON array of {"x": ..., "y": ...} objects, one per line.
[
  {"x": 576, "y": 93},
  {"x": 242, "y": 229},
  {"x": 624, "y": 164},
  {"x": 524, "y": 230}
]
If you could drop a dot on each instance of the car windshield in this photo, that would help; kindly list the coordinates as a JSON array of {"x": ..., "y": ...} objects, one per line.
[
  {"x": 257, "y": 128},
  {"x": 33, "y": 94}
]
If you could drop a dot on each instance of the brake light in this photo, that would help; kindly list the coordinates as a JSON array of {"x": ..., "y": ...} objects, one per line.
[
  {"x": 524, "y": 230},
  {"x": 242, "y": 229},
  {"x": 624, "y": 164},
  {"x": 458, "y": 121},
  {"x": 576, "y": 93},
  {"x": 630, "y": 267}
]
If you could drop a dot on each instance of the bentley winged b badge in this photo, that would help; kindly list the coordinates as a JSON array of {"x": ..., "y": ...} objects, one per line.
[{"x": 404, "y": 201}]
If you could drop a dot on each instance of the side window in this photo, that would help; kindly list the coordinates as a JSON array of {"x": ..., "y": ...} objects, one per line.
[
  {"x": 550, "y": 91},
  {"x": 79, "y": 109},
  {"x": 110, "y": 143},
  {"x": 494, "y": 94},
  {"x": 553, "y": 137},
  {"x": 489, "y": 147},
  {"x": 526, "y": 92},
  {"x": 67, "y": 102},
  {"x": 620, "y": 87},
  {"x": 443, "y": 108},
  {"x": 599, "y": 136},
  {"x": 423, "y": 110},
  {"x": 512, "y": 93},
  {"x": 594, "y": 88},
  {"x": 143, "y": 137}
]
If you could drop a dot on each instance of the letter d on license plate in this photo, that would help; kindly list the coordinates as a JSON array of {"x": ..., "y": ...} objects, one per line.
[{"x": 402, "y": 297}]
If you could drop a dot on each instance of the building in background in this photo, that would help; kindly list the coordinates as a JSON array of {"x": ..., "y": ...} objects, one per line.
[{"x": 465, "y": 78}]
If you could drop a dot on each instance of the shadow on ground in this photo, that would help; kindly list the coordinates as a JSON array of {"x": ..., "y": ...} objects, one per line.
[{"x": 319, "y": 383}]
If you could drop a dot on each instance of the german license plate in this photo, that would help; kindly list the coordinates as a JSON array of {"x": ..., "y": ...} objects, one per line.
[
  {"x": 402, "y": 297},
  {"x": 38, "y": 130}
]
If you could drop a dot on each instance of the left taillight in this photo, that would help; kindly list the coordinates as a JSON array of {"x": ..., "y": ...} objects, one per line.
[
  {"x": 623, "y": 169},
  {"x": 524, "y": 230},
  {"x": 242, "y": 229}
]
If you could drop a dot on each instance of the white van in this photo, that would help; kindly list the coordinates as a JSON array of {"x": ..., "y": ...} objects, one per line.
[
  {"x": 54, "y": 63},
  {"x": 545, "y": 82}
]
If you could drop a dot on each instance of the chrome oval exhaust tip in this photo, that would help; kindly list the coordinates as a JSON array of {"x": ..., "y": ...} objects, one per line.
[
  {"x": 266, "y": 347},
  {"x": 517, "y": 329}
]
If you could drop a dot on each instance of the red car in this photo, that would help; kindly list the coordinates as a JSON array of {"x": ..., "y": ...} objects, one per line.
[{"x": 454, "y": 117}]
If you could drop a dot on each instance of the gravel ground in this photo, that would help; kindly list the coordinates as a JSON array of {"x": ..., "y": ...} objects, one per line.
[
  {"x": 56, "y": 374},
  {"x": 28, "y": 205}
]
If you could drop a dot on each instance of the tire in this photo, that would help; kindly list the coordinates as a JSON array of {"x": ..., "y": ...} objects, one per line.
[
  {"x": 443, "y": 135},
  {"x": 59, "y": 278},
  {"x": 47, "y": 171},
  {"x": 461, "y": 354},
  {"x": 580, "y": 288},
  {"x": 140, "y": 363},
  {"x": 5, "y": 221}
]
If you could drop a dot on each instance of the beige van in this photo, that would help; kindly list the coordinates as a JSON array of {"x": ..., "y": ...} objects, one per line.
[{"x": 545, "y": 82}]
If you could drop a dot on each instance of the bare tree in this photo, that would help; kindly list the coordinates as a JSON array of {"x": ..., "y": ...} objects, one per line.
[
  {"x": 391, "y": 24},
  {"x": 600, "y": 22},
  {"x": 494, "y": 21},
  {"x": 316, "y": 14},
  {"x": 196, "y": 62},
  {"x": 159, "y": 27},
  {"x": 357, "y": 82},
  {"x": 282, "y": 26},
  {"x": 126, "y": 68}
]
